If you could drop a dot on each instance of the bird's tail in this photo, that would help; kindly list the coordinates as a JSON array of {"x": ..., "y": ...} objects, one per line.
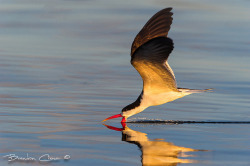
[{"x": 194, "y": 90}]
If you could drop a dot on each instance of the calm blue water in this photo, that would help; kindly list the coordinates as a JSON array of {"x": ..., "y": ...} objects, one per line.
[{"x": 64, "y": 67}]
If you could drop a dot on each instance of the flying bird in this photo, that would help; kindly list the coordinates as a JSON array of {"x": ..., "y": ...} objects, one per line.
[{"x": 149, "y": 53}]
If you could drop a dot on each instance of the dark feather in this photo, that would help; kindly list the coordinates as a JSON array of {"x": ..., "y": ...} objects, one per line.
[
  {"x": 150, "y": 60},
  {"x": 157, "y": 26}
]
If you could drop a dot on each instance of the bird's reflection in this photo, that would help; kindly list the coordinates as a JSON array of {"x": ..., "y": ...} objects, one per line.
[{"x": 155, "y": 152}]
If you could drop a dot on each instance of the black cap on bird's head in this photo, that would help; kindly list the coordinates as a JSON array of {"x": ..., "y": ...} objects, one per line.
[{"x": 127, "y": 109}]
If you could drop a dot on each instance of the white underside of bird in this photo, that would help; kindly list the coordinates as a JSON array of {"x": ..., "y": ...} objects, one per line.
[{"x": 151, "y": 99}]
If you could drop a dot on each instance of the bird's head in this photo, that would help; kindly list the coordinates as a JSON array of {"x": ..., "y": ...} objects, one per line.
[{"x": 129, "y": 110}]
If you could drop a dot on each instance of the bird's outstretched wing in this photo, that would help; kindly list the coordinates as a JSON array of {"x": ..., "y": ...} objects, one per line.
[
  {"x": 158, "y": 25},
  {"x": 150, "y": 51},
  {"x": 150, "y": 60}
]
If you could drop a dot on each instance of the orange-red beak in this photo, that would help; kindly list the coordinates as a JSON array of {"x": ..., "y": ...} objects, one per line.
[{"x": 116, "y": 116}]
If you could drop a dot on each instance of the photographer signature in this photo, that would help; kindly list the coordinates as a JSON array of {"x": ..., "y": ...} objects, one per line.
[{"x": 42, "y": 158}]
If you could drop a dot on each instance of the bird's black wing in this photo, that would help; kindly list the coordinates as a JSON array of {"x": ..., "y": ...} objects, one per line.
[
  {"x": 157, "y": 26},
  {"x": 150, "y": 60}
]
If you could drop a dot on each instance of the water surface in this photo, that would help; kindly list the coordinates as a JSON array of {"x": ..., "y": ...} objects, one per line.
[{"x": 64, "y": 67}]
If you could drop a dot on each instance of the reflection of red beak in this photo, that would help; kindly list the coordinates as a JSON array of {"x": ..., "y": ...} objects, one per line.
[
  {"x": 116, "y": 128},
  {"x": 116, "y": 116}
]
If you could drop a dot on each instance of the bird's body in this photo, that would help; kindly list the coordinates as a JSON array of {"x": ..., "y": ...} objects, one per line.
[
  {"x": 149, "y": 53},
  {"x": 151, "y": 99}
]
